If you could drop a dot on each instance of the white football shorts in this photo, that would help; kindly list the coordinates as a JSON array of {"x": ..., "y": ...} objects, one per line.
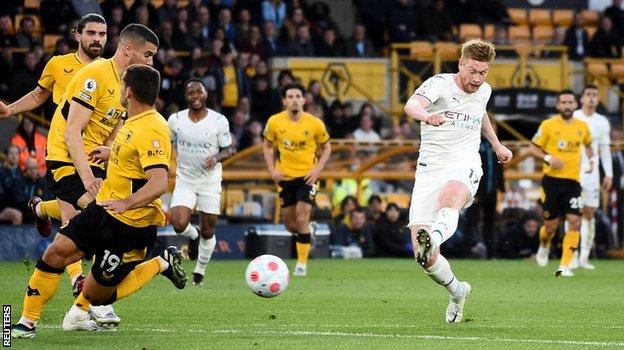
[{"x": 206, "y": 196}]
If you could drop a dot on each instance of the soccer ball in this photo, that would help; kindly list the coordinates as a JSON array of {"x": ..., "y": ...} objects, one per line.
[{"x": 267, "y": 276}]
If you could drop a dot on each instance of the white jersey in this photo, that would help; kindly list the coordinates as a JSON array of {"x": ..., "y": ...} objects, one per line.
[
  {"x": 600, "y": 132},
  {"x": 196, "y": 142},
  {"x": 458, "y": 139}
]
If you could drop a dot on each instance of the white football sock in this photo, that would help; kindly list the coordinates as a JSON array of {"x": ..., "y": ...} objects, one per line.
[
  {"x": 445, "y": 223},
  {"x": 206, "y": 247},
  {"x": 76, "y": 311},
  {"x": 441, "y": 272},
  {"x": 190, "y": 232},
  {"x": 27, "y": 322},
  {"x": 588, "y": 232}
]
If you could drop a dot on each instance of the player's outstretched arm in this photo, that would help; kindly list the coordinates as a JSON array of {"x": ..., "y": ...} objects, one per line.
[
  {"x": 269, "y": 157},
  {"x": 77, "y": 120},
  {"x": 315, "y": 173},
  {"x": 415, "y": 108},
  {"x": 157, "y": 183},
  {"x": 503, "y": 153},
  {"x": 28, "y": 102}
]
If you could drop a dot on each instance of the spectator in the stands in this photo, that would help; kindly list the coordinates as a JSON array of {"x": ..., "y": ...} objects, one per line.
[
  {"x": 315, "y": 88},
  {"x": 605, "y": 42},
  {"x": 402, "y": 21},
  {"x": 271, "y": 41},
  {"x": 26, "y": 77},
  {"x": 243, "y": 27},
  {"x": 31, "y": 143},
  {"x": 232, "y": 83},
  {"x": 359, "y": 233},
  {"x": 7, "y": 38},
  {"x": 30, "y": 183},
  {"x": 576, "y": 39},
  {"x": 338, "y": 124},
  {"x": 194, "y": 7},
  {"x": 285, "y": 77},
  {"x": 265, "y": 100},
  {"x": 8, "y": 173},
  {"x": 374, "y": 208},
  {"x": 288, "y": 32},
  {"x": 7, "y": 64},
  {"x": 255, "y": 45},
  {"x": 391, "y": 236},
  {"x": 274, "y": 11},
  {"x": 436, "y": 23},
  {"x": 616, "y": 14},
  {"x": 61, "y": 47},
  {"x": 25, "y": 37},
  {"x": 320, "y": 20},
  {"x": 520, "y": 239},
  {"x": 253, "y": 135},
  {"x": 330, "y": 45},
  {"x": 167, "y": 41},
  {"x": 366, "y": 132},
  {"x": 168, "y": 11},
  {"x": 225, "y": 22},
  {"x": 172, "y": 82},
  {"x": 152, "y": 14},
  {"x": 116, "y": 17},
  {"x": 238, "y": 125},
  {"x": 302, "y": 45},
  {"x": 359, "y": 45},
  {"x": 205, "y": 27}
]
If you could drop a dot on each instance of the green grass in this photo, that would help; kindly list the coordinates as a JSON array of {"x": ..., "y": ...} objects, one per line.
[{"x": 362, "y": 304}]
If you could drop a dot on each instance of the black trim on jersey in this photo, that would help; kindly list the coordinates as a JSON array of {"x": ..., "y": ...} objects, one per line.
[
  {"x": 137, "y": 184},
  {"x": 65, "y": 110},
  {"x": 114, "y": 70},
  {"x": 428, "y": 99},
  {"x": 155, "y": 166},
  {"x": 42, "y": 88},
  {"x": 83, "y": 103}
]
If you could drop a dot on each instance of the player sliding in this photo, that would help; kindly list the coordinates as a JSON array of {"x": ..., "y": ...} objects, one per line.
[
  {"x": 451, "y": 109},
  {"x": 201, "y": 138},
  {"x": 120, "y": 230}
]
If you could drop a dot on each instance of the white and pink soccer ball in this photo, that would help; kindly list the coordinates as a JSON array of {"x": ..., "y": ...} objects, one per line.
[{"x": 267, "y": 276}]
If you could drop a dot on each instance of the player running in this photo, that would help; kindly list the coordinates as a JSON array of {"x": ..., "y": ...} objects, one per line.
[
  {"x": 600, "y": 130},
  {"x": 451, "y": 109},
  {"x": 559, "y": 141},
  {"x": 120, "y": 229},
  {"x": 296, "y": 135},
  {"x": 201, "y": 139}
]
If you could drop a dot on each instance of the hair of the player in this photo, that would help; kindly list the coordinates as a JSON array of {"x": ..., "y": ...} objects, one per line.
[
  {"x": 289, "y": 86},
  {"x": 478, "y": 50},
  {"x": 89, "y": 18},
  {"x": 194, "y": 80},
  {"x": 138, "y": 33},
  {"x": 590, "y": 87},
  {"x": 144, "y": 81},
  {"x": 565, "y": 92}
]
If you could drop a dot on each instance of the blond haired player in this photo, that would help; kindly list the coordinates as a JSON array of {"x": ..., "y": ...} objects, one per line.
[{"x": 451, "y": 111}]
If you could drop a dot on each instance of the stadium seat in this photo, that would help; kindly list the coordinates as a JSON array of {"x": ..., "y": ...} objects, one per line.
[
  {"x": 617, "y": 72},
  {"x": 233, "y": 198},
  {"x": 36, "y": 18},
  {"x": 591, "y": 30},
  {"x": 32, "y": 4},
  {"x": 563, "y": 18},
  {"x": 540, "y": 17},
  {"x": 590, "y": 18},
  {"x": 520, "y": 33},
  {"x": 597, "y": 69},
  {"x": 470, "y": 31},
  {"x": 542, "y": 34},
  {"x": 401, "y": 199},
  {"x": 49, "y": 41},
  {"x": 323, "y": 201},
  {"x": 128, "y": 3},
  {"x": 449, "y": 51},
  {"x": 488, "y": 32},
  {"x": 421, "y": 50},
  {"x": 518, "y": 16}
]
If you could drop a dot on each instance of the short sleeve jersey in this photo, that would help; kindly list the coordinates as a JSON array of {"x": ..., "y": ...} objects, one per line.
[
  {"x": 58, "y": 72},
  {"x": 600, "y": 130},
  {"x": 196, "y": 142},
  {"x": 97, "y": 87},
  {"x": 564, "y": 141},
  {"x": 458, "y": 139},
  {"x": 296, "y": 142},
  {"x": 143, "y": 143}
]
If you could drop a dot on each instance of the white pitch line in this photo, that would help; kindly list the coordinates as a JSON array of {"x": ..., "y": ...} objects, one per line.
[{"x": 284, "y": 333}]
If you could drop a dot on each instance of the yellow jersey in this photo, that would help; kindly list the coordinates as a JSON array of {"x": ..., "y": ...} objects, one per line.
[
  {"x": 296, "y": 142},
  {"x": 563, "y": 140},
  {"x": 97, "y": 86},
  {"x": 143, "y": 143},
  {"x": 58, "y": 72}
]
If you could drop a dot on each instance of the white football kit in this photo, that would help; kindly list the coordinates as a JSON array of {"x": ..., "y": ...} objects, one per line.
[
  {"x": 196, "y": 142},
  {"x": 600, "y": 130},
  {"x": 449, "y": 151}
]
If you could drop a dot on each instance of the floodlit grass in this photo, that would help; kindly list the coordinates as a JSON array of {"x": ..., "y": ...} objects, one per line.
[{"x": 363, "y": 304}]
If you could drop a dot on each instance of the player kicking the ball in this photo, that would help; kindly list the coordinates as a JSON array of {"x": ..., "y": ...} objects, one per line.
[
  {"x": 451, "y": 109},
  {"x": 202, "y": 139}
]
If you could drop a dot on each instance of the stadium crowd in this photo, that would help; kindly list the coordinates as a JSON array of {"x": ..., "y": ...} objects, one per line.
[{"x": 228, "y": 46}]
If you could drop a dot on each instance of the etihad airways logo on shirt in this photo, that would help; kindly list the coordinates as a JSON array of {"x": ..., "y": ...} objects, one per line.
[{"x": 464, "y": 121}]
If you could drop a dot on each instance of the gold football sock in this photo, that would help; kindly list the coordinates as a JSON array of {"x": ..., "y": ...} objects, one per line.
[
  {"x": 51, "y": 209},
  {"x": 569, "y": 247},
  {"x": 139, "y": 277},
  {"x": 41, "y": 287},
  {"x": 82, "y": 303},
  {"x": 303, "y": 251},
  {"x": 544, "y": 237},
  {"x": 74, "y": 270}
]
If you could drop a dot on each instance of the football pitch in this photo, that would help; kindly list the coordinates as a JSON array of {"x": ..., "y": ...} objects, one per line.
[{"x": 354, "y": 304}]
